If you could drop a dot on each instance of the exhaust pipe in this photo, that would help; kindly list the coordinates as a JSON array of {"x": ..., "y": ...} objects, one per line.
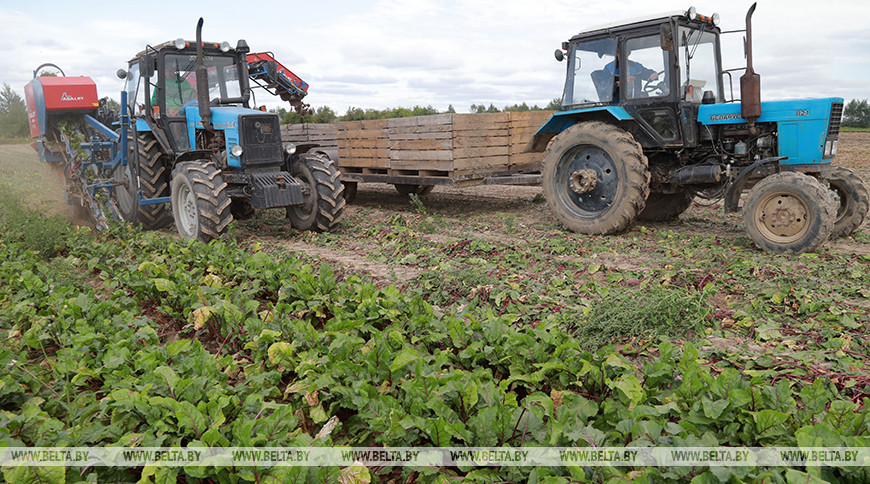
[
  {"x": 202, "y": 81},
  {"x": 750, "y": 82}
]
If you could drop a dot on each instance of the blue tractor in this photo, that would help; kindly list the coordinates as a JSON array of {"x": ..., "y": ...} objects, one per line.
[
  {"x": 646, "y": 127},
  {"x": 195, "y": 142}
]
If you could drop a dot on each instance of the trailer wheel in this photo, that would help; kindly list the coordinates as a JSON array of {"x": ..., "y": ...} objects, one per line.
[
  {"x": 852, "y": 208},
  {"x": 596, "y": 178},
  {"x": 200, "y": 204},
  {"x": 350, "y": 191},
  {"x": 407, "y": 189},
  {"x": 664, "y": 207},
  {"x": 152, "y": 181},
  {"x": 323, "y": 201},
  {"x": 790, "y": 213}
]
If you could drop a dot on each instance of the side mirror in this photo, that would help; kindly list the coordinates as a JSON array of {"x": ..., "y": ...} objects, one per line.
[
  {"x": 122, "y": 73},
  {"x": 560, "y": 56},
  {"x": 667, "y": 34}
]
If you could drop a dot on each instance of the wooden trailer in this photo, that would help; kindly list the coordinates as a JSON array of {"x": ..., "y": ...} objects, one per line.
[{"x": 417, "y": 153}]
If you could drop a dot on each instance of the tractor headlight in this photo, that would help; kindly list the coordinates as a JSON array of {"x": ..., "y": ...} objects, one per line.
[
  {"x": 834, "y": 147},
  {"x": 236, "y": 150},
  {"x": 289, "y": 148},
  {"x": 715, "y": 19},
  {"x": 692, "y": 13},
  {"x": 180, "y": 43},
  {"x": 225, "y": 46},
  {"x": 830, "y": 148}
]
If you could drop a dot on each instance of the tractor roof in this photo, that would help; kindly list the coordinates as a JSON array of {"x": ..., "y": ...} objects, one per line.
[{"x": 631, "y": 24}]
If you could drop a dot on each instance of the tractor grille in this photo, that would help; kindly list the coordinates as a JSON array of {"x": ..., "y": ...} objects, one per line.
[
  {"x": 834, "y": 123},
  {"x": 261, "y": 140}
]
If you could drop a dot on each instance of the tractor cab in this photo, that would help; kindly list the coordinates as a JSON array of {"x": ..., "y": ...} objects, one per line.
[{"x": 657, "y": 70}]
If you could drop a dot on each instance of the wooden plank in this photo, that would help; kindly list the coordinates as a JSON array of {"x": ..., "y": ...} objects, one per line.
[
  {"x": 422, "y": 145},
  {"x": 401, "y": 137},
  {"x": 402, "y": 155},
  {"x": 526, "y": 161},
  {"x": 440, "y": 128},
  {"x": 476, "y": 121},
  {"x": 479, "y": 141},
  {"x": 421, "y": 164},
  {"x": 482, "y": 165},
  {"x": 460, "y": 153},
  {"x": 435, "y": 119},
  {"x": 364, "y": 162},
  {"x": 363, "y": 153}
]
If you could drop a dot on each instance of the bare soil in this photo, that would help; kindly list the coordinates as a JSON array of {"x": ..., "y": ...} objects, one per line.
[{"x": 506, "y": 217}]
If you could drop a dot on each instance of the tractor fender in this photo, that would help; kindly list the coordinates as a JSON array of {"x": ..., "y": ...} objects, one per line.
[
  {"x": 735, "y": 189},
  {"x": 562, "y": 120}
]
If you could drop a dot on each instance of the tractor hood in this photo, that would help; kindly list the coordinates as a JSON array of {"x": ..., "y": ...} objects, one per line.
[{"x": 807, "y": 128}]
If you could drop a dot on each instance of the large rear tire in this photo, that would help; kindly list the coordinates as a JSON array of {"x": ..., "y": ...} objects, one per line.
[
  {"x": 664, "y": 207},
  {"x": 323, "y": 201},
  {"x": 200, "y": 204},
  {"x": 853, "y": 205},
  {"x": 789, "y": 213},
  {"x": 596, "y": 178},
  {"x": 150, "y": 178}
]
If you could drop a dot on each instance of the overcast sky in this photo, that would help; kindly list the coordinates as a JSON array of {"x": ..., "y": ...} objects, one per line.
[{"x": 390, "y": 53}]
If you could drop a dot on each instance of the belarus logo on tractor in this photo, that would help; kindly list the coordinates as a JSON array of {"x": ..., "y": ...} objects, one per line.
[
  {"x": 646, "y": 127},
  {"x": 186, "y": 146}
]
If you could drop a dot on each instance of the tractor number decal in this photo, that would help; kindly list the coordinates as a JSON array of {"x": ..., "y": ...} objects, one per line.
[{"x": 802, "y": 112}]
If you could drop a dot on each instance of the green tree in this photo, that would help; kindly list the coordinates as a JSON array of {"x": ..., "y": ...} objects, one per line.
[
  {"x": 13, "y": 114},
  {"x": 555, "y": 105},
  {"x": 857, "y": 114}
]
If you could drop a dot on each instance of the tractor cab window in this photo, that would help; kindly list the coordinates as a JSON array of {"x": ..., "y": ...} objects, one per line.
[
  {"x": 135, "y": 87},
  {"x": 699, "y": 72},
  {"x": 589, "y": 81},
  {"x": 646, "y": 75},
  {"x": 180, "y": 80}
]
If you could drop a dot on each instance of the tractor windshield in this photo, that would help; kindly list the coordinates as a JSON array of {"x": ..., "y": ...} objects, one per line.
[
  {"x": 589, "y": 80},
  {"x": 180, "y": 80},
  {"x": 700, "y": 73}
]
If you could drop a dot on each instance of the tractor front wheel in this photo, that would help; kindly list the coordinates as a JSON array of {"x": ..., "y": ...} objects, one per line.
[
  {"x": 853, "y": 200},
  {"x": 789, "y": 213},
  {"x": 323, "y": 199},
  {"x": 596, "y": 178},
  {"x": 200, "y": 204}
]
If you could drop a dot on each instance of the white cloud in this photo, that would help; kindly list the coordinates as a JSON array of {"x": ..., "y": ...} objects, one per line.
[{"x": 387, "y": 53}]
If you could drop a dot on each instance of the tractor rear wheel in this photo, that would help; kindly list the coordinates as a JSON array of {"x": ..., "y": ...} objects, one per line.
[
  {"x": 200, "y": 203},
  {"x": 408, "y": 189},
  {"x": 664, "y": 207},
  {"x": 323, "y": 201},
  {"x": 596, "y": 178},
  {"x": 789, "y": 213},
  {"x": 150, "y": 178},
  {"x": 852, "y": 208}
]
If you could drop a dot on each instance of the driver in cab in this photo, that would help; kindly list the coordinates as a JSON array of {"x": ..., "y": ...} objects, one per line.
[{"x": 636, "y": 73}]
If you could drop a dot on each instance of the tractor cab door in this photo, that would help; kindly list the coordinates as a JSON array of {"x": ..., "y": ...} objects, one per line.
[{"x": 648, "y": 87}]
